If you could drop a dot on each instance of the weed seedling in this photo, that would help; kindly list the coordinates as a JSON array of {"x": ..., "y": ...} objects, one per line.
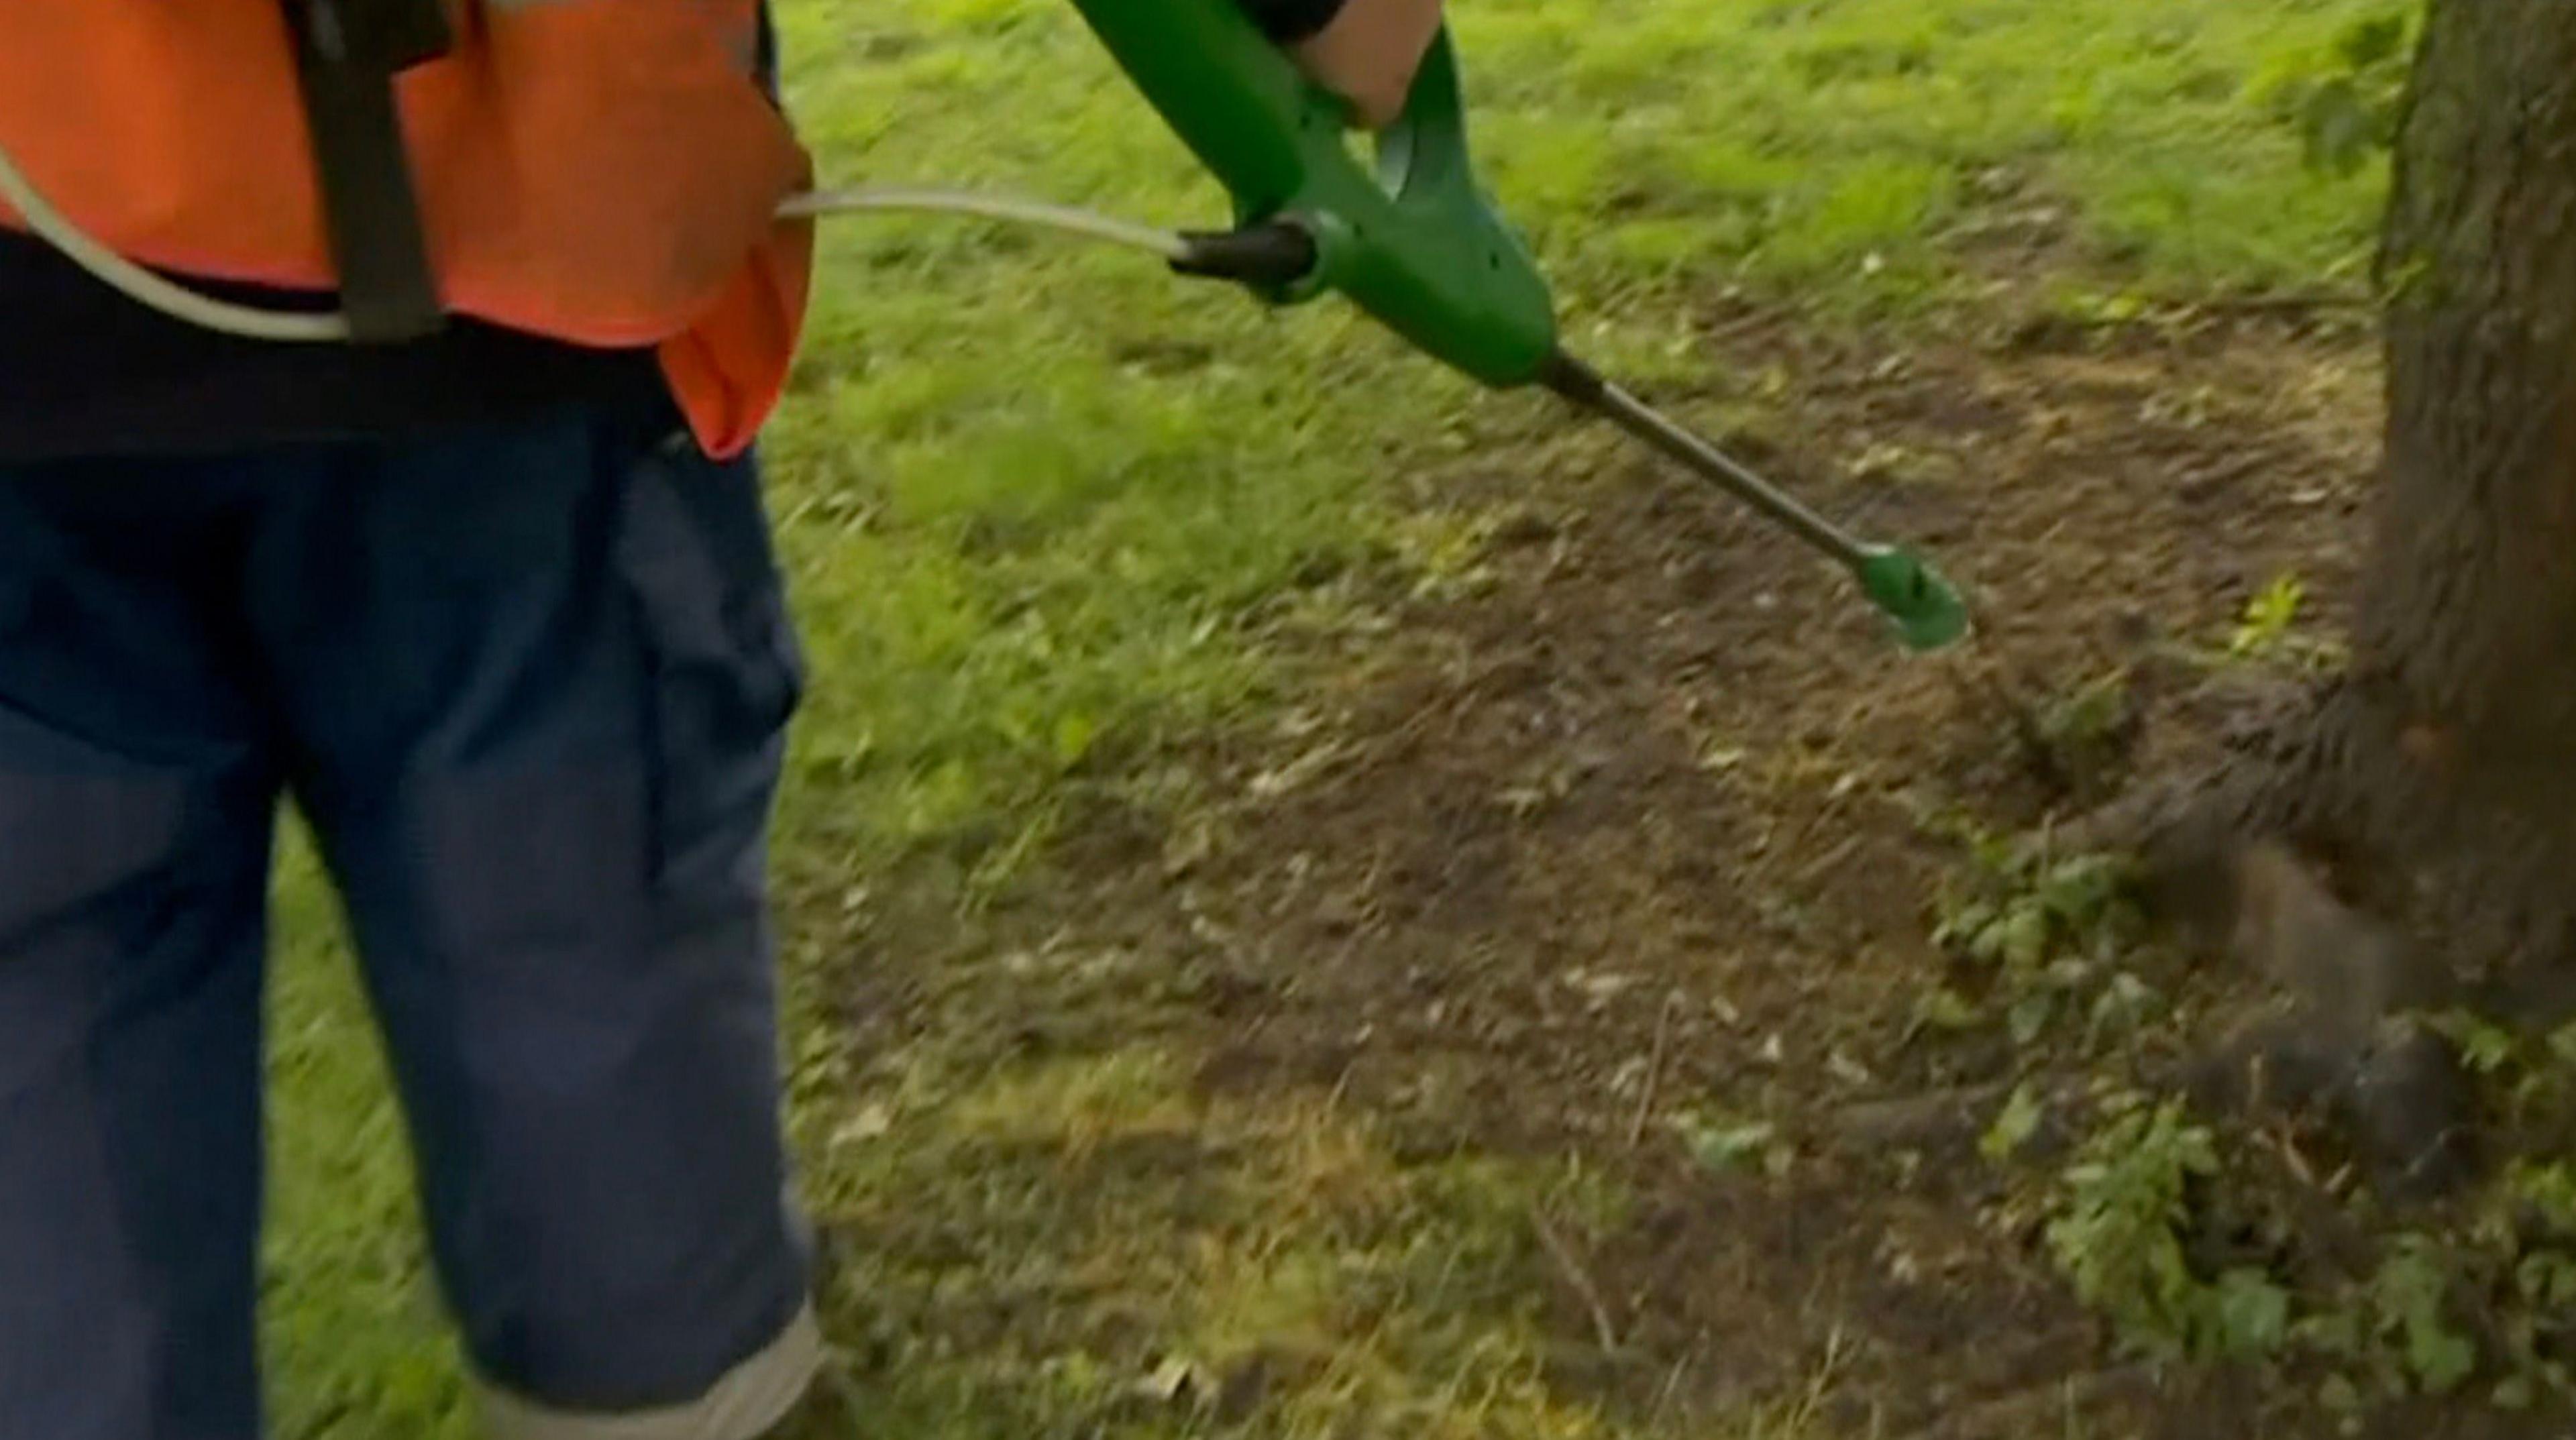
[{"x": 2118, "y": 1239}]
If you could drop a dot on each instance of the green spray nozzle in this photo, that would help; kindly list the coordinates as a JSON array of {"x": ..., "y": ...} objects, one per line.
[{"x": 1927, "y": 610}]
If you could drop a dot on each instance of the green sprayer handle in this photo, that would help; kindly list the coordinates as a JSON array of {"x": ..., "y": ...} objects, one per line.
[{"x": 1415, "y": 243}]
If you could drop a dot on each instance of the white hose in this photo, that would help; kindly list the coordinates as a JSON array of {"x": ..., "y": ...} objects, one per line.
[
  {"x": 176, "y": 301},
  {"x": 1062, "y": 218},
  {"x": 260, "y": 323}
]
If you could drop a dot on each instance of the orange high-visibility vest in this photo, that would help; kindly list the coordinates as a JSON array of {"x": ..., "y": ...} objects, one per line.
[{"x": 605, "y": 172}]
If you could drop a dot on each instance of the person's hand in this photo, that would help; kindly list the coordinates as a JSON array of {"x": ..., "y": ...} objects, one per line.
[{"x": 1370, "y": 52}]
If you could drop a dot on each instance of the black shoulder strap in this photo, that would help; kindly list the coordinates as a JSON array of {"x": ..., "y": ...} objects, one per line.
[{"x": 347, "y": 53}]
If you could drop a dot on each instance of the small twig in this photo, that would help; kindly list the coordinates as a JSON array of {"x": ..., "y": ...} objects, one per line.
[
  {"x": 1830, "y": 860},
  {"x": 2287, "y": 1147},
  {"x": 1726, "y": 332},
  {"x": 1578, "y": 1277},
  {"x": 1654, "y": 1073},
  {"x": 1672, "y": 1385},
  {"x": 1820, "y": 1386}
]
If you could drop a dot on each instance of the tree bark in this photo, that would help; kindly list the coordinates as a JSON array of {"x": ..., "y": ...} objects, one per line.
[{"x": 2438, "y": 774}]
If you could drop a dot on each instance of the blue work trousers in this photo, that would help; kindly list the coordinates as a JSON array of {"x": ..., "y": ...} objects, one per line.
[{"x": 529, "y": 684}]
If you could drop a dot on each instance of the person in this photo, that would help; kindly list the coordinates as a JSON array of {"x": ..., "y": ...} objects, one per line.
[{"x": 495, "y": 604}]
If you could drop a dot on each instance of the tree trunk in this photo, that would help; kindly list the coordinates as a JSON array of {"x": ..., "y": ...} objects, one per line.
[{"x": 2439, "y": 774}]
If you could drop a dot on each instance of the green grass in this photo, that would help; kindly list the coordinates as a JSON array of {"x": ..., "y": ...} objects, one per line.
[
  {"x": 1031, "y": 495},
  {"x": 1839, "y": 151},
  {"x": 1095, "y": 1184}
]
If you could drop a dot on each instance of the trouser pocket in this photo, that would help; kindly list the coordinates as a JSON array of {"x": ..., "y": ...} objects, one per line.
[{"x": 723, "y": 668}]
